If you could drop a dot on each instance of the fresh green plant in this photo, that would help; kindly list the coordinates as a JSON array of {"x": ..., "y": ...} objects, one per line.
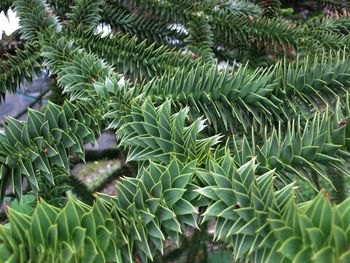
[{"x": 228, "y": 146}]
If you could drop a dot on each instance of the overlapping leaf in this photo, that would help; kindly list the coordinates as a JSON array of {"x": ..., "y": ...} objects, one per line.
[
  {"x": 155, "y": 133},
  {"x": 265, "y": 225},
  {"x": 44, "y": 141}
]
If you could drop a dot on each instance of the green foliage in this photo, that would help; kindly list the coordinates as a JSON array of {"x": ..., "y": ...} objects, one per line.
[
  {"x": 262, "y": 96},
  {"x": 270, "y": 7},
  {"x": 289, "y": 120},
  {"x": 121, "y": 19},
  {"x": 335, "y": 4},
  {"x": 260, "y": 223},
  {"x": 200, "y": 37},
  {"x": 130, "y": 56},
  {"x": 43, "y": 142},
  {"x": 77, "y": 233},
  {"x": 111, "y": 229},
  {"x": 155, "y": 134},
  {"x": 23, "y": 65},
  {"x": 25, "y": 205},
  {"x": 31, "y": 25},
  {"x": 257, "y": 221},
  {"x": 226, "y": 99},
  {"x": 85, "y": 14},
  {"x": 301, "y": 149}
]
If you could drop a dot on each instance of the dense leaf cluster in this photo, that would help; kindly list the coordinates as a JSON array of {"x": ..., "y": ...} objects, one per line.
[{"x": 211, "y": 145}]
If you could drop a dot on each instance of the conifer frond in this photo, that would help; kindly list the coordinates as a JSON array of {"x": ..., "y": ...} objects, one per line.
[
  {"x": 36, "y": 17},
  {"x": 225, "y": 99},
  {"x": 270, "y": 8},
  {"x": 151, "y": 133},
  {"x": 340, "y": 26},
  {"x": 264, "y": 96},
  {"x": 200, "y": 37},
  {"x": 85, "y": 14},
  {"x": 60, "y": 7},
  {"x": 25, "y": 64},
  {"x": 42, "y": 143},
  {"x": 170, "y": 11},
  {"x": 302, "y": 149},
  {"x": 242, "y": 7},
  {"x": 257, "y": 221},
  {"x": 334, "y": 4},
  {"x": 130, "y": 56},
  {"x": 246, "y": 31},
  {"x": 143, "y": 27},
  {"x": 265, "y": 225},
  {"x": 160, "y": 125}
]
